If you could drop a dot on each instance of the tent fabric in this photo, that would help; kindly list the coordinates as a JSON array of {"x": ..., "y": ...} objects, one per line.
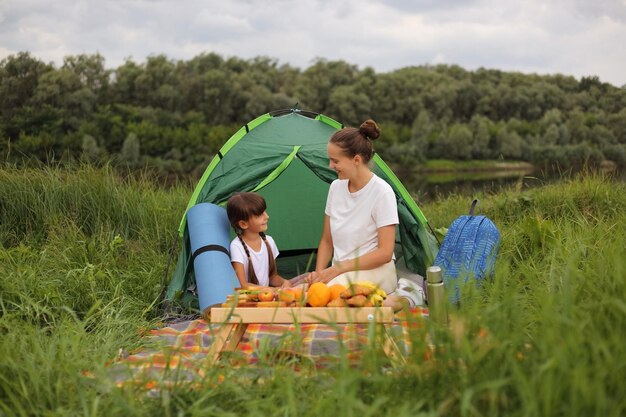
[
  {"x": 309, "y": 202},
  {"x": 283, "y": 157}
]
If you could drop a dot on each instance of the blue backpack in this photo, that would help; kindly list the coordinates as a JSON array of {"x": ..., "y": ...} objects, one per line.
[{"x": 468, "y": 251}]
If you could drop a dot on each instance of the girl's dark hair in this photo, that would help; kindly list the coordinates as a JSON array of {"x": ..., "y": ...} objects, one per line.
[
  {"x": 242, "y": 206},
  {"x": 355, "y": 141}
]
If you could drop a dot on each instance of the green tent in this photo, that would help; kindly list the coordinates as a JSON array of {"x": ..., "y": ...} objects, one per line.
[{"x": 282, "y": 156}]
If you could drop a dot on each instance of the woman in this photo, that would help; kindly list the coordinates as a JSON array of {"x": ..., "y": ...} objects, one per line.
[{"x": 361, "y": 215}]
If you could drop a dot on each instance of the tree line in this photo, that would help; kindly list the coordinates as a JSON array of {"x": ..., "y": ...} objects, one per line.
[{"x": 173, "y": 115}]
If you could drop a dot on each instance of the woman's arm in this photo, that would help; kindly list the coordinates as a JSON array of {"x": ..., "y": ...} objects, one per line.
[
  {"x": 241, "y": 274},
  {"x": 371, "y": 260},
  {"x": 325, "y": 247}
]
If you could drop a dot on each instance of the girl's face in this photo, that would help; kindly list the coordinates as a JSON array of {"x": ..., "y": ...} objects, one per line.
[
  {"x": 344, "y": 166},
  {"x": 255, "y": 224}
]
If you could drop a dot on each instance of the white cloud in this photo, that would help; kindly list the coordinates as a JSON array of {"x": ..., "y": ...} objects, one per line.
[{"x": 568, "y": 36}]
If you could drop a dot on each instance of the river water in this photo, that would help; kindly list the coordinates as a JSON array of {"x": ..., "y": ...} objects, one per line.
[{"x": 425, "y": 187}]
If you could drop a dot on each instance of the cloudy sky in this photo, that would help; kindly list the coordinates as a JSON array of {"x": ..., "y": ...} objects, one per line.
[{"x": 575, "y": 37}]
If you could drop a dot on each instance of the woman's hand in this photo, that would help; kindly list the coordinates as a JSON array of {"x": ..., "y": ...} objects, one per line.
[
  {"x": 286, "y": 284},
  {"x": 325, "y": 275}
]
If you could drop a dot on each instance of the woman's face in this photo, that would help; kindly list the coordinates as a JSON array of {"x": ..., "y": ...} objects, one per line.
[{"x": 344, "y": 166}]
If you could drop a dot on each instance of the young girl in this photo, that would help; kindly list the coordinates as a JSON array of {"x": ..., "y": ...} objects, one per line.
[{"x": 252, "y": 253}]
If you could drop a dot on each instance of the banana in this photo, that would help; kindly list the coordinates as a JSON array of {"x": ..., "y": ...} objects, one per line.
[{"x": 369, "y": 291}]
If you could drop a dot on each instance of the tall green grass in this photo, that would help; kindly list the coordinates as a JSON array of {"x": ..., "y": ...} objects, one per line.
[
  {"x": 81, "y": 266},
  {"x": 84, "y": 239}
]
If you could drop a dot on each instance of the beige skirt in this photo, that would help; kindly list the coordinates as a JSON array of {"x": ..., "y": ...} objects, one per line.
[{"x": 384, "y": 276}]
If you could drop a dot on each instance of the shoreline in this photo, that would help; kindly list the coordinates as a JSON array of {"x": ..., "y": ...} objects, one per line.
[
  {"x": 441, "y": 165},
  {"x": 446, "y": 166}
]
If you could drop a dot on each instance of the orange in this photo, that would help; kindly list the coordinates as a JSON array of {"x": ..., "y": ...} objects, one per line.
[
  {"x": 318, "y": 294},
  {"x": 336, "y": 290}
]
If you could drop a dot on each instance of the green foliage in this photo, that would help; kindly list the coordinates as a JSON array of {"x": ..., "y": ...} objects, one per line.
[
  {"x": 131, "y": 151},
  {"x": 617, "y": 154},
  {"x": 194, "y": 106},
  {"x": 571, "y": 155},
  {"x": 91, "y": 151}
]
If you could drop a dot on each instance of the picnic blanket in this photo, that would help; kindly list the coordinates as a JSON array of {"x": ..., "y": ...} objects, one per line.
[{"x": 178, "y": 352}]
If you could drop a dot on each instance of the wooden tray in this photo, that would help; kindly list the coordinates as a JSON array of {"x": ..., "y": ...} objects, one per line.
[{"x": 301, "y": 315}]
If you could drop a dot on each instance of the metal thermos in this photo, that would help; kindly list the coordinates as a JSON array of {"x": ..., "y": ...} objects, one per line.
[{"x": 437, "y": 303}]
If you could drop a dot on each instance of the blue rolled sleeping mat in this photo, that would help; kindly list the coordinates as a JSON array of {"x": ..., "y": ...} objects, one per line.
[{"x": 209, "y": 237}]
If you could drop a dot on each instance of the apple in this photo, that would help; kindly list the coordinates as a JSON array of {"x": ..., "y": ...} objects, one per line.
[
  {"x": 286, "y": 295},
  {"x": 298, "y": 294},
  {"x": 266, "y": 295}
]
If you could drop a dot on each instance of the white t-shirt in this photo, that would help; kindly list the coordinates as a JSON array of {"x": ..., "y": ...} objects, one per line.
[
  {"x": 356, "y": 217},
  {"x": 260, "y": 260}
]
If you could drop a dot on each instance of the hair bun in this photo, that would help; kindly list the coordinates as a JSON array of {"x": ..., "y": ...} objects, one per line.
[{"x": 370, "y": 129}]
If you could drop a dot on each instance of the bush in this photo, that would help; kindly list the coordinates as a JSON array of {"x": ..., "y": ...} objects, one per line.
[{"x": 616, "y": 153}]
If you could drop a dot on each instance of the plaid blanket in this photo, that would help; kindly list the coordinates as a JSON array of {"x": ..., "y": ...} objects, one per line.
[{"x": 178, "y": 352}]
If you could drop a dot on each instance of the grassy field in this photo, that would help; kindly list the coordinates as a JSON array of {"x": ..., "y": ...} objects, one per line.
[{"x": 82, "y": 257}]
